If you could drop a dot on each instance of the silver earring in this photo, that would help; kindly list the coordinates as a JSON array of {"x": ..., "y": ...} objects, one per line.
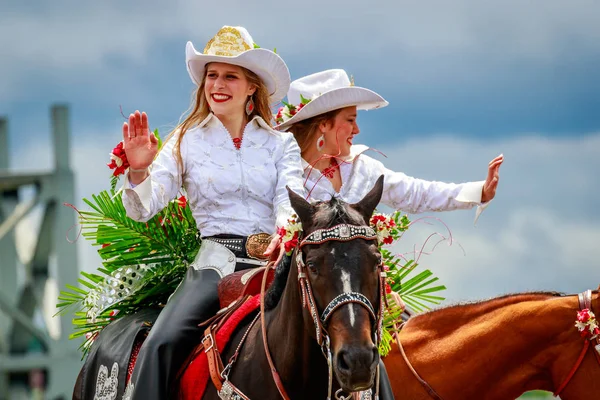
[
  {"x": 249, "y": 106},
  {"x": 320, "y": 142}
]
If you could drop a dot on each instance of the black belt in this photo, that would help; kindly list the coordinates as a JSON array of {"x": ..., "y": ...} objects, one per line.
[{"x": 235, "y": 243}]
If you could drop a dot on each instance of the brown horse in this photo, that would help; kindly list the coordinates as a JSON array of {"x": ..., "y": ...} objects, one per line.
[
  {"x": 321, "y": 322},
  {"x": 344, "y": 280},
  {"x": 497, "y": 350}
]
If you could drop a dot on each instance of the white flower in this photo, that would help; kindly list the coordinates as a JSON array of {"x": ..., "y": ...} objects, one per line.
[{"x": 116, "y": 159}]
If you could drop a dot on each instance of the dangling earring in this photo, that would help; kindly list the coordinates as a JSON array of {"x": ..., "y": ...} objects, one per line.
[
  {"x": 249, "y": 106},
  {"x": 320, "y": 142}
]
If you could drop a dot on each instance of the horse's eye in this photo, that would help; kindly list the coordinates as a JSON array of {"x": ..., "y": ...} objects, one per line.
[{"x": 312, "y": 267}]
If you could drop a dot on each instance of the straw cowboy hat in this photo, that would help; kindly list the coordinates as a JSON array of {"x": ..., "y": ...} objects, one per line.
[
  {"x": 322, "y": 92},
  {"x": 234, "y": 45}
]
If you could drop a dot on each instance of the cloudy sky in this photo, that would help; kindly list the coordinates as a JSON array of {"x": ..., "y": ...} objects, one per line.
[{"x": 466, "y": 81}]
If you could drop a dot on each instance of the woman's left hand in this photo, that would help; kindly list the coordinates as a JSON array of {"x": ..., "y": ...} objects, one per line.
[
  {"x": 275, "y": 242},
  {"x": 491, "y": 183}
]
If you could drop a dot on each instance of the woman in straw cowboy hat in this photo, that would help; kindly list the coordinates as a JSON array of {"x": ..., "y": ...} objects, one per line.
[
  {"x": 234, "y": 168},
  {"x": 321, "y": 112}
]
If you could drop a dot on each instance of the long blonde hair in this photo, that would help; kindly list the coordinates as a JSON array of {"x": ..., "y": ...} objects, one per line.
[{"x": 200, "y": 110}]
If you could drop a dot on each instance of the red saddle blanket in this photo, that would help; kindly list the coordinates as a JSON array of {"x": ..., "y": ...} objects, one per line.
[{"x": 195, "y": 378}]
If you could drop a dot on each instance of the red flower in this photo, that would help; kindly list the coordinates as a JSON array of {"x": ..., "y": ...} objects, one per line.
[
  {"x": 281, "y": 231},
  {"x": 388, "y": 240},
  {"x": 293, "y": 110},
  {"x": 388, "y": 288},
  {"x": 583, "y": 315},
  {"x": 300, "y": 106},
  {"x": 279, "y": 113},
  {"x": 118, "y": 160},
  {"x": 377, "y": 218},
  {"x": 182, "y": 202},
  {"x": 291, "y": 244}
]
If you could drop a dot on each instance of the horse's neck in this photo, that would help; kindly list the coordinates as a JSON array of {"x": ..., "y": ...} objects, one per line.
[
  {"x": 296, "y": 355},
  {"x": 516, "y": 343}
]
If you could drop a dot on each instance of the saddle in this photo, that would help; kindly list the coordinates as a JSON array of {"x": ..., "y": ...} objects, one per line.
[{"x": 241, "y": 284}]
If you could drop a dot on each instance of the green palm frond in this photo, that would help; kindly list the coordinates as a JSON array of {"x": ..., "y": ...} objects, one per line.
[{"x": 148, "y": 258}]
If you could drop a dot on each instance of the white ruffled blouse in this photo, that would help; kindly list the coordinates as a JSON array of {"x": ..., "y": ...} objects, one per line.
[
  {"x": 229, "y": 191},
  {"x": 359, "y": 173}
]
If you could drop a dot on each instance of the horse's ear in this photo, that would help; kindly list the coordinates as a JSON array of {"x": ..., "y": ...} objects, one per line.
[
  {"x": 302, "y": 207},
  {"x": 368, "y": 204}
]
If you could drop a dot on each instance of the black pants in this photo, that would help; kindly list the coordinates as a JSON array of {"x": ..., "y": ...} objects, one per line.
[{"x": 174, "y": 335}]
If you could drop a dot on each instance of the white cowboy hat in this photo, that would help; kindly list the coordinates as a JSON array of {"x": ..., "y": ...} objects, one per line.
[
  {"x": 322, "y": 92},
  {"x": 234, "y": 45}
]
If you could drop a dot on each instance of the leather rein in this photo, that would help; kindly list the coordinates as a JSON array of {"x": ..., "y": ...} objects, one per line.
[
  {"x": 342, "y": 233},
  {"x": 585, "y": 302}
]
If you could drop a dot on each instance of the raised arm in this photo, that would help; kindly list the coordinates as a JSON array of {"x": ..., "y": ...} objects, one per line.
[
  {"x": 149, "y": 185},
  {"x": 417, "y": 195}
]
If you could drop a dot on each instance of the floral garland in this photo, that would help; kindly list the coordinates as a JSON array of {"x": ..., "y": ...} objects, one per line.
[
  {"x": 287, "y": 111},
  {"x": 587, "y": 324}
]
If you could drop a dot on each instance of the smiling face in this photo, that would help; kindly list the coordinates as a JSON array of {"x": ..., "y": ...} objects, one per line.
[
  {"x": 340, "y": 131},
  {"x": 227, "y": 89}
]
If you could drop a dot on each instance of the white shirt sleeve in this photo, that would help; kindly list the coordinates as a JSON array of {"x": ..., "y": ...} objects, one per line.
[
  {"x": 415, "y": 196},
  {"x": 145, "y": 200},
  {"x": 289, "y": 172}
]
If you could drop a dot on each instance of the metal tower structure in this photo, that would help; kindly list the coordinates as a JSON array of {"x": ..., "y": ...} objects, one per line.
[{"x": 28, "y": 349}]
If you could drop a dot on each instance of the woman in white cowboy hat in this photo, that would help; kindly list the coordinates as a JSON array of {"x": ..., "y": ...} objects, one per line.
[
  {"x": 321, "y": 112},
  {"x": 234, "y": 168}
]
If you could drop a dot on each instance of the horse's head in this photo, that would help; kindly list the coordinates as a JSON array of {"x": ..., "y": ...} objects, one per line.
[{"x": 339, "y": 267}]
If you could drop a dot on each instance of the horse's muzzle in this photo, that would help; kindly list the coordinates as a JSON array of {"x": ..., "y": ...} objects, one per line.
[{"x": 355, "y": 367}]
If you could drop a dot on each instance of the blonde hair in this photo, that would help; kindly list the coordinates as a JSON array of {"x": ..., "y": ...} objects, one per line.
[
  {"x": 199, "y": 110},
  {"x": 306, "y": 132}
]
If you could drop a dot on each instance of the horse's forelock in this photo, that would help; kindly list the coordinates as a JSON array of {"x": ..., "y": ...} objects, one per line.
[{"x": 333, "y": 213}]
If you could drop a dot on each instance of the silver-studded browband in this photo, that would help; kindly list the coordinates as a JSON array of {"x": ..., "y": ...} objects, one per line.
[{"x": 340, "y": 233}]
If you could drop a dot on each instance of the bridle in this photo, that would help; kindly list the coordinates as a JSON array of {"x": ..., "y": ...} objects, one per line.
[
  {"x": 585, "y": 302},
  {"x": 339, "y": 233}
]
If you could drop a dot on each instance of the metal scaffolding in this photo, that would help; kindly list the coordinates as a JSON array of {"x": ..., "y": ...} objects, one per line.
[{"x": 27, "y": 348}]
